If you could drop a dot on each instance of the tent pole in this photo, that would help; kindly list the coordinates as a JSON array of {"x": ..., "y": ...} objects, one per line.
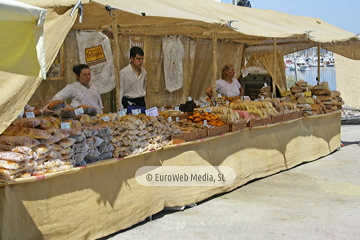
[
  {"x": 318, "y": 65},
  {"x": 114, "y": 28},
  {"x": 274, "y": 75},
  {"x": 214, "y": 58}
]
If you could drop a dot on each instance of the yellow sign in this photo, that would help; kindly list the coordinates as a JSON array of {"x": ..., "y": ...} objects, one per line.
[{"x": 94, "y": 53}]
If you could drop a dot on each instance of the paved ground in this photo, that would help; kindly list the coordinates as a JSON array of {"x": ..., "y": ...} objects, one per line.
[{"x": 318, "y": 200}]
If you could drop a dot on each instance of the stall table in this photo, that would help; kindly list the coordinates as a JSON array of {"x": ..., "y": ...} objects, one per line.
[{"x": 104, "y": 197}]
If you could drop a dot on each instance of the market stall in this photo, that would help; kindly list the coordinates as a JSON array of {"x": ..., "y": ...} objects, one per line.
[
  {"x": 96, "y": 199},
  {"x": 105, "y": 197}
]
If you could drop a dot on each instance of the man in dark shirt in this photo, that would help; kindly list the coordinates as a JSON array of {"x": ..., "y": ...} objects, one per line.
[{"x": 244, "y": 3}]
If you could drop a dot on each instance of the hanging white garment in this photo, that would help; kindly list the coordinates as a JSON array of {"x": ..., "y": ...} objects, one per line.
[{"x": 173, "y": 55}]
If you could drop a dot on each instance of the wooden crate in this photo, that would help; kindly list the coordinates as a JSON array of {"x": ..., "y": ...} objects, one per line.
[
  {"x": 298, "y": 114},
  {"x": 224, "y": 129},
  {"x": 213, "y": 132},
  {"x": 234, "y": 127},
  {"x": 201, "y": 133},
  {"x": 254, "y": 123},
  {"x": 288, "y": 116},
  {"x": 266, "y": 121}
]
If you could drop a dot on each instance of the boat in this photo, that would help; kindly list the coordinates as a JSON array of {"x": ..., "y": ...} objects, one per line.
[{"x": 303, "y": 65}]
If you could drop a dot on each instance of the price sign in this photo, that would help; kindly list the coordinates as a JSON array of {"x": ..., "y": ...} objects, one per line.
[
  {"x": 262, "y": 98},
  {"x": 105, "y": 118},
  {"x": 314, "y": 96},
  {"x": 265, "y": 84},
  {"x": 302, "y": 94},
  {"x": 79, "y": 111},
  {"x": 125, "y": 110},
  {"x": 30, "y": 114},
  {"x": 152, "y": 112},
  {"x": 189, "y": 98},
  {"x": 205, "y": 122},
  {"x": 135, "y": 111},
  {"x": 121, "y": 113},
  {"x": 256, "y": 100},
  {"x": 208, "y": 110},
  {"x": 219, "y": 95},
  {"x": 162, "y": 109},
  {"x": 176, "y": 108},
  {"x": 227, "y": 102},
  {"x": 65, "y": 125},
  {"x": 169, "y": 119},
  {"x": 202, "y": 105},
  {"x": 177, "y": 119}
]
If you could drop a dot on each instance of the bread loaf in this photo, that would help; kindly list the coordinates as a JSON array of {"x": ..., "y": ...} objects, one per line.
[
  {"x": 18, "y": 141},
  {"x": 56, "y": 105},
  {"x": 28, "y": 122},
  {"x": 321, "y": 92},
  {"x": 24, "y": 131}
]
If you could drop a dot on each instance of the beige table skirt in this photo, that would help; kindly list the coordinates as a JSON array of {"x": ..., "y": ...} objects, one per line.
[{"x": 92, "y": 202}]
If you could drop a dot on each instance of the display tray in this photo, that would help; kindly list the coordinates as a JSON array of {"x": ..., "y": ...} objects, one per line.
[
  {"x": 224, "y": 129},
  {"x": 213, "y": 132},
  {"x": 288, "y": 116},
  {"x": 255, "y": 123},
  {"x": 266, "y": 121},
  {"x": 234, "y": 127},
  {"x": 276, "y": 118},
  {"x": 201, "y": 133}
]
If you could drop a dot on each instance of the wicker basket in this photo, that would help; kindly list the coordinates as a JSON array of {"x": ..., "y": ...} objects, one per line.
[
  {"x": 177, "y": 139},
  {"x": 201, "y": 133},
  {"x": 276, "y": 118},
  {"x": 288, "y": 116},
  {"x": 298, "y": 114},
  {"x": 254, "y": 123},
  {"x": 266, "y": 121},
  {"x": 234, "y": 127},
  {"x": 191, "y": 136},
  {"x": 213, "y": 132},
  {"x": 224, "y": 129}
]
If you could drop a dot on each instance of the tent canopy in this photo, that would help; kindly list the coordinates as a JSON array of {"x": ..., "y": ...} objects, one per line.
[
  {"x": 256, "y": 29},
  {"x": 22, "y": 44}
]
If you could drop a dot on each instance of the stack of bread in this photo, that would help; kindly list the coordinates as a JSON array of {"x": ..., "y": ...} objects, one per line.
[
  {"x": 227, "y": 115},
  {"x": 36, "y": 133},
  {"x": 16, "y": 161},
  {"x": 134, "y": 134},
  {"x": 313, "y": 100},
  {"x": 256, "y": 109}
]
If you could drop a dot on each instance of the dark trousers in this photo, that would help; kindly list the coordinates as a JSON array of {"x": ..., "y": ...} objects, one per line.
[{"x": 140, "y": 101}]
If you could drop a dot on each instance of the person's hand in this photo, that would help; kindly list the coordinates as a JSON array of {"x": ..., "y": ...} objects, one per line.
[{"x": 46, "y": 111}]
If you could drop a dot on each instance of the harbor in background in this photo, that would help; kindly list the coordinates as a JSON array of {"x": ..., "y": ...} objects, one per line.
[{"x": 303, "y": 65}]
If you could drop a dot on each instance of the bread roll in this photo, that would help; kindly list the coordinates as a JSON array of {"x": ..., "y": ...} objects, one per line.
[{"x": 18, "y": 141}]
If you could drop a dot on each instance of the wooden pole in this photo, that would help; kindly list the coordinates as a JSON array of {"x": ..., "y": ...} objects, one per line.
[
  {"x": 116, "y": 57},
  {"x": 214, "y": 58},
  {"x": 274, "y": 75},
  {"x": 318, "y": 64}
]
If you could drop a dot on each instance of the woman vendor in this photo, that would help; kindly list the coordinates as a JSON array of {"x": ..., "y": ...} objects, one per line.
[
  {"x": 81, "y": 92},
  {"x": 228, "y": 85}
]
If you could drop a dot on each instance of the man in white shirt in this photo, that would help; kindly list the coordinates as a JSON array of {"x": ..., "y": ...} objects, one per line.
[{"x": 133, "y": 80}]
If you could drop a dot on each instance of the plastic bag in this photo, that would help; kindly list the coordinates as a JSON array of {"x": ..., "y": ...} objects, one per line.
[
  {"x": 15, "y": 157},
  {"x": 19, "y": 141}
]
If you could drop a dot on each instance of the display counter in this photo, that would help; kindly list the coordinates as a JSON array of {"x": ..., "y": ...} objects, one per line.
[{"x": 104, "y": 197}]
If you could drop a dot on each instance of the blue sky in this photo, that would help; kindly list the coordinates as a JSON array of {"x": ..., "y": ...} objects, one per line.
[{"x": 344, "y": 14}]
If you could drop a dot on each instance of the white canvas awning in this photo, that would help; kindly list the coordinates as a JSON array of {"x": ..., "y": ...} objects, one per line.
[{"x": 22, "y": 43}]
